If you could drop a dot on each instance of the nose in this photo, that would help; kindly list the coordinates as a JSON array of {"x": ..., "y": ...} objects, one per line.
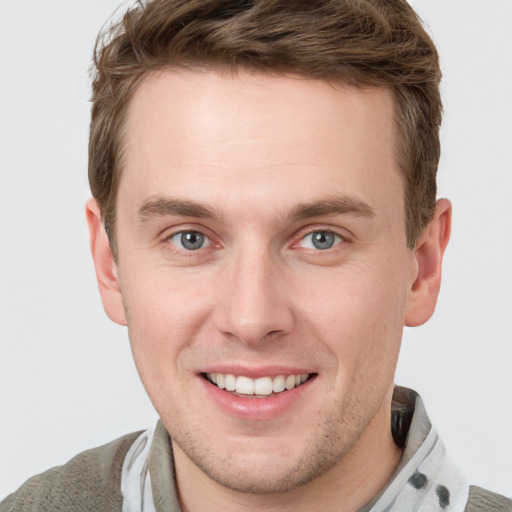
[{"x": 253, "y": 305}]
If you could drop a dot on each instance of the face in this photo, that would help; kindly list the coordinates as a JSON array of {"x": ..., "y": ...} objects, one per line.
[{"x": 264, "y": 270}]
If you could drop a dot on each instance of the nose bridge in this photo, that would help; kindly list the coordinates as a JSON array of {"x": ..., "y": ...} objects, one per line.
[{"x": 253, "y": 303}]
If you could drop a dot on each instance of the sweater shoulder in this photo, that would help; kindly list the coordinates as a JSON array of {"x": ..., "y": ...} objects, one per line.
[
  {"x": 89, "y": 481},
  {"x": 483, "y": 500}
]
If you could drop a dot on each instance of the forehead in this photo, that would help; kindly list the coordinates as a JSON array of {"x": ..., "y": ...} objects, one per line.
[{"x": 213, "y": 135}]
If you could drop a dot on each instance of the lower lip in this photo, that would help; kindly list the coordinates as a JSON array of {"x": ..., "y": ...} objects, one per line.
[{"x": 256, "y": 408}]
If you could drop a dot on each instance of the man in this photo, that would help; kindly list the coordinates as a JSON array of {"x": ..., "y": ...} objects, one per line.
[{"x": 264, "y": 221}]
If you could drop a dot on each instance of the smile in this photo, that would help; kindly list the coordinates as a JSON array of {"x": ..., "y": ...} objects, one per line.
[{"x": 263, "y": 386}]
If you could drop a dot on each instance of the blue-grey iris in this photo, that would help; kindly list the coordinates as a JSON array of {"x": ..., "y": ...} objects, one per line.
[
  {"x": 192, "y": 240},
  {"x": 322, "y": 239}
]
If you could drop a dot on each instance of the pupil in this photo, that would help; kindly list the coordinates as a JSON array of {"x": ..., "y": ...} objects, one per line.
[
  {"x": 323, "y": 240},
  {"x": 192, "y": 240}
]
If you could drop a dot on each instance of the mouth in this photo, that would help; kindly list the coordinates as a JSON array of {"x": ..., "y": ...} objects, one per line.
[{"x": 262, "y": 387}]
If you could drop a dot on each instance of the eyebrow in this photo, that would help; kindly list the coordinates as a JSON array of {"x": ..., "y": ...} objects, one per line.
[
  {"x": 335, "y": 205},
  {"x": 163, "y": 206},
  {"x": 332, "y": 205}
]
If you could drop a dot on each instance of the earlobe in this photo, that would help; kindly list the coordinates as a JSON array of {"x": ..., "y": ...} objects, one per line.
[
  {"x": 105, "y": 265},
  {"x": 428, "y": 256}
]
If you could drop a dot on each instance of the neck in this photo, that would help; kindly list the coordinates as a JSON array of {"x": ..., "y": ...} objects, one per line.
[{"x": 347, "y": 486}]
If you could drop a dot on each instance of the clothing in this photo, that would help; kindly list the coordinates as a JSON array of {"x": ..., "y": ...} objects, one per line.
[{"x": 135, "y": 474}]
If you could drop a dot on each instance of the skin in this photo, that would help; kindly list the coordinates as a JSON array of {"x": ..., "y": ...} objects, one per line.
[{"x": 252, "y": 150}]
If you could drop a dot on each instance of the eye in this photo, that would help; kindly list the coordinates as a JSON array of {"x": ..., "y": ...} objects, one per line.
[
  {"x": 190, "y": 240},
  {"x": 320, "y": 240}
]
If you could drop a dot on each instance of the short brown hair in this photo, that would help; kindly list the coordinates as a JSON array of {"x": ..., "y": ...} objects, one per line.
[{"x": 363, "y": 43}]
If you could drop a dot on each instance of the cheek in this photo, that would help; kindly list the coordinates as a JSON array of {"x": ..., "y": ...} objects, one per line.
[
  {"x": 165, "y": 314},
  {"x": 358, "y": 313}
]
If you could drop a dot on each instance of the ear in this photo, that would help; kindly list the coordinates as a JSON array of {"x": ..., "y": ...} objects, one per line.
[
  {"x": 428, "y": 256},
  {"x": 105, "y": 265}
]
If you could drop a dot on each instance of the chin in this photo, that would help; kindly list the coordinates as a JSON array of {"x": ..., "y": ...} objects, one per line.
[
  {"x": 249, "y": 476},
  {"x": 275, "y": 468}
]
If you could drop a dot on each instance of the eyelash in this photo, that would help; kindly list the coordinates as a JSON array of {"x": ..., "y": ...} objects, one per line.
[
  {"x": 338, "y": 239},
  {"x": 207, "y": 238}
]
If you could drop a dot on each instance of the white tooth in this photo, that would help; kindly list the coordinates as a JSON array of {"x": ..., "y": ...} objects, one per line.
[
  {"x": 213, "y": 377},
  {"x": 304, "y": 377},
  {"x": 297, "y": 380},
  {"x": 244, "y": 385},
  {"x": 263, "y": 386},
  {"x": 220, "y": 380},
  {"x": 230, "y": 382},
  {"x": 290, "y": 382},
  {"x": 278, "y": 384}
]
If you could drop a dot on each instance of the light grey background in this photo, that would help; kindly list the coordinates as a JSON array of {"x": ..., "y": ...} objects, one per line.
[{"x": 67, "y": 381}]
